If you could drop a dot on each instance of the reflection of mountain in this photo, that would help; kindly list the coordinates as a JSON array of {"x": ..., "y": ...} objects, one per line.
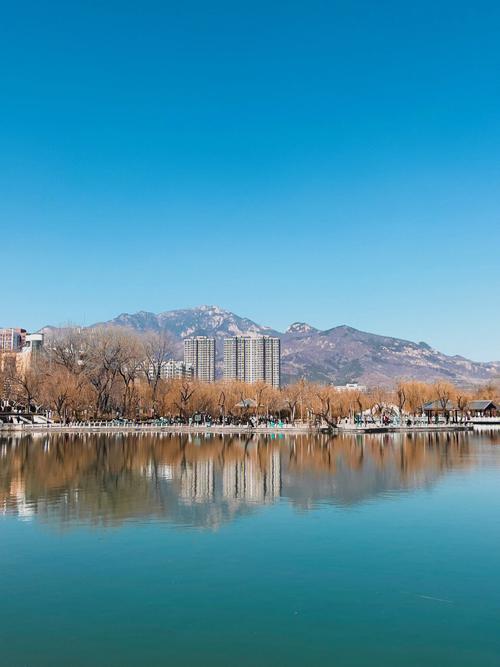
[{"x": 196, "y": 481}]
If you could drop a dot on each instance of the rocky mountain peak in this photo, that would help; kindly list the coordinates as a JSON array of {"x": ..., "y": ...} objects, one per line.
[
  {"x": 212, "y": 310},
  {"x": 300, "y": 328}
]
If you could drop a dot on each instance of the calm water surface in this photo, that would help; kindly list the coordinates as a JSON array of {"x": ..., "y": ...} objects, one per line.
[{"x": 167, "y": 550}]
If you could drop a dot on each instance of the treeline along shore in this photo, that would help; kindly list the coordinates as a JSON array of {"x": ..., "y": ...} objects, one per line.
[{"x": 110, "y": 373}]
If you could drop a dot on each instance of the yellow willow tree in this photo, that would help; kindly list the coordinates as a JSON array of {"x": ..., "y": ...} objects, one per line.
[
  {"x": 462, "y": 399},
  {"x": 353, "y": 402},
  {"x": 180, "y": 394},
  {"x": 293, "y": 396},
  {"x": 222, "y": 394},
  {"x": 260, "y": 394},
  {"x": 400, "y": 397},
  {"x": 144, "y": 398},
  {"x": 204, "y": 399},
  {"x": 417, "y": 394},
  {"x": 308, "y": 401},
  {"x": 271, "y": 402},
  {"x": 61, "y": 389},
  {"x": 235, "y": 392},
  {"x": 489, "y": 391},
  {"x": 444, "y": 393},
  {"x": 275, "y": 406},
  {"x": 7, "y": 370},
  {"x": 326, "y": 405},
  {"x": 378, "y": 400},
  {"x": 26, "y": 385}
]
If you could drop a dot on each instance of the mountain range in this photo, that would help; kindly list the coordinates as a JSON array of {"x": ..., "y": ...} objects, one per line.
[{"x": 341, "y": 354}]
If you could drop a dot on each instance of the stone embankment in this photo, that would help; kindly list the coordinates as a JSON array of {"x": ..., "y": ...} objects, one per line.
[{"x": 233, "y": 429}]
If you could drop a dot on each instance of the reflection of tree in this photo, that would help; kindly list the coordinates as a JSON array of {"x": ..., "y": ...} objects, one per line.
[{"x": 206, "y": 480}]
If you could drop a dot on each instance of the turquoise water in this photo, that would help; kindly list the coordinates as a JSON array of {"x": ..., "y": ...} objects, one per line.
[{"x": 166, "y": 550}]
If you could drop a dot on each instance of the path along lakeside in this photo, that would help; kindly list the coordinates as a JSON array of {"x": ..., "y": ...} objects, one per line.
[{"x": 288, "y": 429}]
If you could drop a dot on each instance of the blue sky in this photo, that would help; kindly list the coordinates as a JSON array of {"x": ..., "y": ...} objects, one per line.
[{"x": 332, "y": 162}]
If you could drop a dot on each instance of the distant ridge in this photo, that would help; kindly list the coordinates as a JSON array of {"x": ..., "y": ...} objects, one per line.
[{"x": 339, "y": 355}]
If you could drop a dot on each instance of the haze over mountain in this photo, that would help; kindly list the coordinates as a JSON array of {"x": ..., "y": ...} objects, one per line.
[{"x": 340, "y": 354}]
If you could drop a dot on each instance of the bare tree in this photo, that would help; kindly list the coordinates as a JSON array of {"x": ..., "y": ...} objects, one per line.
[
  {"x": 67, "y": 348},
  {"x": 222, "y": 405},
  {"x": 378, "y": 400},
  {"x": 157, "y": 349},
  {"x": 326, "y": 406},
  {"x": 130, "y": 360},
  {"x": 185, "y": 391},
  {"x": 444, "y": 392},
  {"x": 101, "y": 367},
  {"x": 260, "y": 388},
  {"x": 26, "y": 386},
  {"x": 462, "y": 400},
  {"x": 60, "y": 390},
  {"x": 400, "y": 397},
  {"x": 292, "y": 395}
]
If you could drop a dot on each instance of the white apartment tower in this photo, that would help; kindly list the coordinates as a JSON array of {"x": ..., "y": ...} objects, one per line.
[
  {"x": 253, "y": 359},
  {"x": 199, "y": 352},
  {"x": 172, "y": 370}
]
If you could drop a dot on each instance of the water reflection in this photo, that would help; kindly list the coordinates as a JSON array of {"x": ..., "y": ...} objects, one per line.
[{"x": 207, "y": 481}]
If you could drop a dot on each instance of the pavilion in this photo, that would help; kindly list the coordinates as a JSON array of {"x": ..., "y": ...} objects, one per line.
[
  {"x": 483, "y": 408},
  {"x": 474, "y": 409}
]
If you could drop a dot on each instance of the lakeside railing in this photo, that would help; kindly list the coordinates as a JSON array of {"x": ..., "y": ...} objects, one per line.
[
  {"x": 407, "y": 424},
  {"x": 128, "y": 424},
  {"x": 228, "y": 428}
]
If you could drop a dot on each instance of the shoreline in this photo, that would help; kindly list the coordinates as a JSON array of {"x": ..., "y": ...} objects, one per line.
[{"x": 235, "y": 430}]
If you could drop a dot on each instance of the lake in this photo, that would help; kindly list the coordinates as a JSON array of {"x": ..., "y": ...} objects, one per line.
[{"x": 208, "y": 550}]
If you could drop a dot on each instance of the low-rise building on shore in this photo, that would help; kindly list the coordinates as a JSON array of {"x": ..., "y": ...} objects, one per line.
[
  {"x": 481, "y": 408},
  {"x": 173, "y": 370}
]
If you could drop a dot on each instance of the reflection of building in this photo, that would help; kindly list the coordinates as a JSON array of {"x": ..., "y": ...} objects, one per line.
[
  {"x": 207, "y": 482},
  {"x": 253, "y": 359},
  {"x": 246, "y": 480},
  {"x": 274, "y": 475},
  {"x": 197, "y": 481},
  {"x": 159, "y": 471},
  {"x": 17, "y": 499},
  {"x": 199, "y": 352}
]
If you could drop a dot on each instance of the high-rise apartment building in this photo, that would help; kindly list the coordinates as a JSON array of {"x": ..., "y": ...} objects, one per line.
[
  {"x": 253, "y": 359},
  {"x": 199, "y": 352}
]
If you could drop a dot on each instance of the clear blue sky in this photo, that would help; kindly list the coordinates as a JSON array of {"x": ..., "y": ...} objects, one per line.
[{"x": 333, "y": 162}]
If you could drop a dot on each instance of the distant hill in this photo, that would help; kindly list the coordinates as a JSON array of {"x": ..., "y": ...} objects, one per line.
[
  {"x": 341, "y": 354},
  {"x": 201, "y": 321}
]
